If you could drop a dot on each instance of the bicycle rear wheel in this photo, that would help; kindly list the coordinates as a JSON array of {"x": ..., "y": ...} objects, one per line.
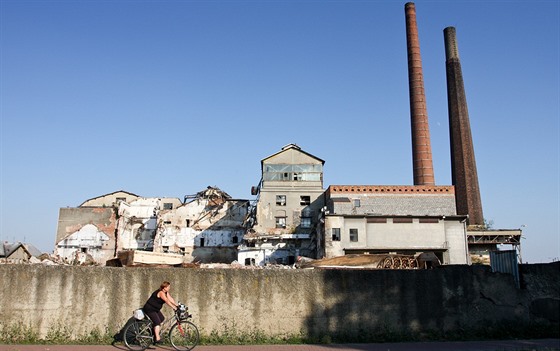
[
  {"x": 184, "y": 336},
  {"x": 138, "y": 335}
]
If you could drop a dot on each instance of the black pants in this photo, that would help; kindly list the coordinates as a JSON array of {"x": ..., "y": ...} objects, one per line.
[{"x": 156, "y": 317}]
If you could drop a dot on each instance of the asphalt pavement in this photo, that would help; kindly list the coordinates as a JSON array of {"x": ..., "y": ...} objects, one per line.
[{"x": 494, "y": 345}]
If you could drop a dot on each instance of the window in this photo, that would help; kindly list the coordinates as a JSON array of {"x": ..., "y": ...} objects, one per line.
[
  {"x": 280, "y": 200},
  {"x": 306, "y": 222},
  {"x": 188, "y": 223},
  {"x": 402, "y": 220},
  {"x": 119, "y": 199},
  {"x": 354, "y": 235},
  {"x": 280, "y": 222},
  {"x": 356, "y": 202},
  {"x": 305, "y": 200},
  {"x": 201, "y": 242},
  {"x": 376, "y": 220},
  {"x": 234, "y": 239},
  {"x": 335, "y": 234},
  {"x": 428, "y": 220},
  {"x": 289, "y": 172},
  {"x": 167, "y": 206}
]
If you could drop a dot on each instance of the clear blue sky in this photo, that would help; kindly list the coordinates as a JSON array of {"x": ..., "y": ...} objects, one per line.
[{"x": 163, "y": 98}]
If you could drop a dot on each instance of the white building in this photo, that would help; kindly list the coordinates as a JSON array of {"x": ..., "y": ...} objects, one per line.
[{"x": 394, "y": 219}]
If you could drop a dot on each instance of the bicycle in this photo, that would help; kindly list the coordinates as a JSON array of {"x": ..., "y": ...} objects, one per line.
[{"x": 183, "y": 334}]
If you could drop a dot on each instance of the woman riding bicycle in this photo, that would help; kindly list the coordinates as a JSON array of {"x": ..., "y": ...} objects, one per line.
[{"x": 154, "y": 304}]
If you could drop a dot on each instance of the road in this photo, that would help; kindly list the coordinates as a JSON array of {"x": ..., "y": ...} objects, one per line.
[{"x": 503, "y": 345}]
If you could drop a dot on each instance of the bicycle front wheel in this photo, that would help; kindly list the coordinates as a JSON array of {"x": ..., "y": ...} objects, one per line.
[
  {"x": 184, "y": 336},
  {"x": 138, "y": 335}
]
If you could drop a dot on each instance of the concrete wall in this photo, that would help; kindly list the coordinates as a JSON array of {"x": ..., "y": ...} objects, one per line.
[{"x": 279, "y": 302}]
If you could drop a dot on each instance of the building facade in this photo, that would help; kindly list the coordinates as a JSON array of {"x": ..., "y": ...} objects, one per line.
[
  {"x": 287, "y": 211},
  {"x": 407, "y": 220}
]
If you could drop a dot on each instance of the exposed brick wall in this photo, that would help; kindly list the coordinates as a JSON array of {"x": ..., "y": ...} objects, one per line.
[
  {"x": 463, "y": 165},
  {"x": 392, "y": 189},
  {"x": 421, "y": 145}
]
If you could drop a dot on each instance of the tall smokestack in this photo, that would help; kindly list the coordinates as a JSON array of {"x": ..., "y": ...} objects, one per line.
[
  {"x": 463, "y": 164},
  {"x": 421, "y": 147}
]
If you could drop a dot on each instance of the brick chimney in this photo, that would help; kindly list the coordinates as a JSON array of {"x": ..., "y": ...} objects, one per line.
[
  {"x": 421, "y": 147},
  {"x": 463, "y": 164}
]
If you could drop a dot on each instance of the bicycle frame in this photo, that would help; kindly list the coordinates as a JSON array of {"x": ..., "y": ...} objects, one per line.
[
  {"x": 182, "y": 333},
  {"x": 167, "y": 323}
]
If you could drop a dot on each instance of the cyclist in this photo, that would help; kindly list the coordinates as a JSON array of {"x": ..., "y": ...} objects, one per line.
[{"x": 154, "y": 304}]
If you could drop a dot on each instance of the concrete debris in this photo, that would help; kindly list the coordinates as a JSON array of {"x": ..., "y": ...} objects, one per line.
[
  {"x": 137, "y": 257},
  {"x": 77, "y": 259}
]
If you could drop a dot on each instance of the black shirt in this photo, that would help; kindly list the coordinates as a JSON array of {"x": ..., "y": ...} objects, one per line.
[{"x": 154, "y": 303}]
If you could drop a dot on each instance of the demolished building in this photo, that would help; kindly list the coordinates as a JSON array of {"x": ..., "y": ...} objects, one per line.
[
  {"x": 89, "y": 230},
  {"x": 207, "y": 227}
]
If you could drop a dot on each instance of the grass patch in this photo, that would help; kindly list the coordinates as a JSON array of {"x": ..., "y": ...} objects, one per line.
[
  {"x": 232, "y": 334},
  {"x": 59, "y": 334}
]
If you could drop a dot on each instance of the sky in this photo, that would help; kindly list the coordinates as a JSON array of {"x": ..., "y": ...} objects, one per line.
[{"x": 165, "y": 98}]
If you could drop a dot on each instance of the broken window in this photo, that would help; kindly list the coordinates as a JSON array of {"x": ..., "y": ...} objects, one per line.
[
  {"x": 305, "y": 200},
  {"x": 353, "y": 234},
  {"x": 280, "y": 222},
  {"x": 305, "y": 222},
  {"x": 289, "y": 172},
  {"x": 335, "y": 234},
  {"x": 281, "y": 200},
  {"x": 167, "y": 206}
]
